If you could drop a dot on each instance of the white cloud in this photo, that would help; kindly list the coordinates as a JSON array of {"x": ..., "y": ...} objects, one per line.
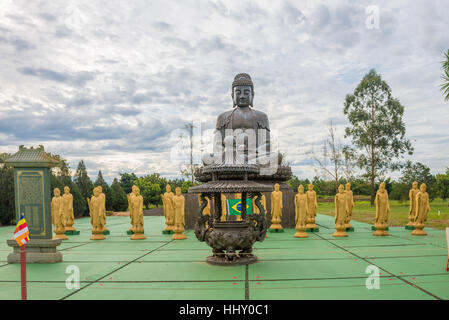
[{"x": 108, "y": 81}]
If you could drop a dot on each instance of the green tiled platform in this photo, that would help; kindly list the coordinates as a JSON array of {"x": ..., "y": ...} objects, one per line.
[{"x": 318, "y": 267}]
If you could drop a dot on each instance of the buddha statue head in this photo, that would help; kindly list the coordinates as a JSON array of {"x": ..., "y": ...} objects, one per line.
[
  {"x": 422, "y": 187},
  {"x": 100, "y": 188},
  {"x": 178, "y": 191},
  {"x": 168, "y": 188},
  {"x": 415, "y": 185},
  {"x": 382, "y": 187},
  {"x": 242, "y": 90},
  {"x": 276, "y": 187},
  {"x": 66, "y": 190},
  {"x": 301, "y": 189},
  {"x": 341, "y": 189},
  {"x": 348, "y": 186},
  {"x": 310, "y": 187},
  {"x": 97, "y": 192},
  {"x": 135, "y": 190},
  {"x": 56, "y": 192}
]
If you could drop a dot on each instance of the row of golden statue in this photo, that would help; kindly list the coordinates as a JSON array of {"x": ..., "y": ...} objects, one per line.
[
  {"x": 174, "y": 211},
  {"x": 306, "y": 206},
  {"x": 63, "y": 217}
]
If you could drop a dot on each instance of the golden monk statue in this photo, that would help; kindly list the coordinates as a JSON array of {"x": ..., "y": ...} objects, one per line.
[
  {"x": 301, "y": 213},
  {"x": 350, "y": 204},
  {"x": 103, "y": 207},
  {"x": 67, "y": 205},
  {"x": 382, "y": 210},
  {"x": 422, "y": 210},
  {"x": 96, "y": 215},
  {"x": 341, "y": 210},
  {"x": 129, "y": 197},
  {"x": 276, "y": 208},
  {"x": 169, "y": 211},
  {"x": 180, "y": 222},
  {"x": 312, "y": 204},
  {"x": 224, "y": 208},
  {"x": 412, "y": 211},
  {"x": 137, "y": 214},
  {"x": 57, "y": 215}
]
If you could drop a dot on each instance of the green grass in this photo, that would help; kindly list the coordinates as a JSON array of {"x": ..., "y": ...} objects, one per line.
[{"x": 364, "y": 212}]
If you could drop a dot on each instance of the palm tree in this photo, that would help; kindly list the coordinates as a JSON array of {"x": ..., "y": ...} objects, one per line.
[{"x": 445, "y": 85}]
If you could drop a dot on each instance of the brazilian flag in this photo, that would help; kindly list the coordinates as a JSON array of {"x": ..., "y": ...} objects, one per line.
[{"x": 235, "y": 207}]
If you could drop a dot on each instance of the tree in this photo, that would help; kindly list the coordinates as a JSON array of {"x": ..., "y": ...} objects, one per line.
[
  {"x": 118, "y": 197},
  {"x": 445, "y": 85},
  {"x": 442, "y": 185},
  {"x": 376, "y": 128},
  {"x": 332, "y": 156},
  {"x": 60, "y": 177},
  {"x": 83, "y": 182},
  {"x": 151, "y": 192},
  {"x": 127, "y": 181},
  {"x": 7, "y": 204},
  {"x": 420, "y": 173},
  {"x": 106, "y": 189}
]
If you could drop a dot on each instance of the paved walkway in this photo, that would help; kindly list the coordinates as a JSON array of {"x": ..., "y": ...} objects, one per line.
[{"x": 319, "y": 267}]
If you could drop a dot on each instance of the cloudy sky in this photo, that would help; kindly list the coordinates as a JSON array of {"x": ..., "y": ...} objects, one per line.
[{"x": 114, "y": 82}]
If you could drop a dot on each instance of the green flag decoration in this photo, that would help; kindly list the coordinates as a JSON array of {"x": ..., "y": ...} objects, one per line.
[{"x": 235, "y": 207}]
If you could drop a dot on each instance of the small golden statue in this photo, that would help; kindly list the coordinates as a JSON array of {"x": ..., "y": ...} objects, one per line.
[
  {"x": 224, "y": 208},
  {"x": 301, "y": 213},
  {"x": 412, "y": 211},
  {"x": 129, "y": 197},
  {"x": 422, "y": 210},
  {"x": 276, "y": 209},
  {"x": 180, "y": 222},
  {"x": 382, "y": 210},
  {"x": 169, "y": 211},
  {"x": 341, "y": 210},
  {"x": 57, "y": 215},
  {"x": 137, "y": 214},
  {"x": 96, "y": 215},
  {"x": 103, "y": 208},
  {"x": 311, "y": 207},
  {"x": 350, "y": 204},
  {"x": 69, "y": 217}
]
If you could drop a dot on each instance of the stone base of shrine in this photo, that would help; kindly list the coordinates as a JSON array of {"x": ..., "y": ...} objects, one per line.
[{"x": 37, "y": 251}]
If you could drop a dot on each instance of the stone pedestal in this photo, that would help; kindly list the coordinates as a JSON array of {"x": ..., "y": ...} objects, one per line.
[
  {"x": 37, "y": 251},
  {"x": 419, "y": 230}
]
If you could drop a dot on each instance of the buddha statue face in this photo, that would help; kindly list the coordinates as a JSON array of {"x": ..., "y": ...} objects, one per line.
[
  {"x": 348, "y": 186},
  {"x": 66, "y": 190},
  {"x": 300, "y": 189},
  {"x": 136, "y": 190},
  {"x": 100, "y": 188},
  {"x": 423, "y": 187},
  {"x": 168, "y": 188},
  {"x": 96, "y": 192},
  {"x": 382, "y": 187},
  {"x": 341, "y": 189},
  {"x": 415, "y": 185},
  {"x": 56, "y": 192},
  {"x": 178, "y": 191},
  {"x": 310, "y": 187},
  {"x": 276, "y": 187},
  {"x": 242, "y": 96}
]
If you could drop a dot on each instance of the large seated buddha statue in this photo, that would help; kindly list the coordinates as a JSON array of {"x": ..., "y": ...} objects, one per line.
[{"x": 243, "y": 133}]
